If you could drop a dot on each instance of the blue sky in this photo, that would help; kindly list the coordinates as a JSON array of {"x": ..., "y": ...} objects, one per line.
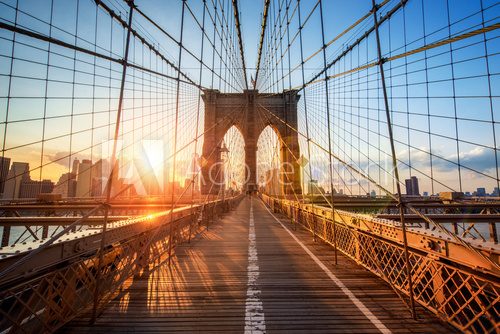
[{"x": 432, "y": 111}]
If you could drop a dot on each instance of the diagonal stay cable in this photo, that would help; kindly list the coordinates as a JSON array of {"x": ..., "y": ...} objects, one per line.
[
  {"x": 240, "y": 39},
  {"x": 261, "y": 42}
]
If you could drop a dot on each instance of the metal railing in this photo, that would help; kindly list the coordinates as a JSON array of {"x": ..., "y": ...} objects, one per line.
[
  {"x": 35, "y": 221},
  {"x": 59, "y": 283},
  {"x": 468, "y": 218}
]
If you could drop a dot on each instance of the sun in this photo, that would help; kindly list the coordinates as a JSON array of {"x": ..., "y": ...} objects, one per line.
[{"x": 154, "y": 152}]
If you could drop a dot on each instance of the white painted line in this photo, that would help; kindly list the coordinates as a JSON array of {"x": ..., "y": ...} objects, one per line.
[
  {"x": 254, "y": 311},
  {"x": 374, "y": 320}
]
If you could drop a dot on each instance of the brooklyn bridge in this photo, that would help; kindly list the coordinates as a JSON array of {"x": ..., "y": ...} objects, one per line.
[{"x": 315, "y": 166}]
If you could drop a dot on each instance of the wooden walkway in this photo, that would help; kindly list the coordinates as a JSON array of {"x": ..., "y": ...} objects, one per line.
[{"x": 226, "y": 280}]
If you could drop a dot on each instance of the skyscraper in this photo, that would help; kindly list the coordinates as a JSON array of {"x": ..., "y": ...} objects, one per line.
[
  {"x": 412, "y": 188},
  {"x": 74, "y": 168},
  {"x": 4, "y": 170},
  {"x": 313, "y": 188},
  {"x": 66, "y": 186},
  {"x": 84, "y": 179},
  {"x": 32, "y": 188},
  {"x": 19, "y": 172}
]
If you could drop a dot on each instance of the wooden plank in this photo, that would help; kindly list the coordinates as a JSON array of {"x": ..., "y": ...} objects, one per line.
[{"x": 205, "y": 289}]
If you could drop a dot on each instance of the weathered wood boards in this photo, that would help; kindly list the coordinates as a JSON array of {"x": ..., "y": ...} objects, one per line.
[{"x": 205, "y": 289}]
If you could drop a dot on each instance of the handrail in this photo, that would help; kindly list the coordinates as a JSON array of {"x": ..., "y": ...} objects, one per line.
[{"x": 66, "y": 270}]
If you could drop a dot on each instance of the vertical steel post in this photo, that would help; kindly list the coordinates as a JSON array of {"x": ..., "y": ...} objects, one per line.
[
  {"x": 394, "y": 161},
  {"x": 5, "y": 236}
]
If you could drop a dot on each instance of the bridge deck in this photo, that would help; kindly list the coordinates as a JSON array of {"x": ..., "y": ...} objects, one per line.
[{"x": 217, "y": 283}]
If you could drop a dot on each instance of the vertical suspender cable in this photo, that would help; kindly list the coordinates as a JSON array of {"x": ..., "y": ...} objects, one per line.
[
  {"x": 44, "y": 125},
  {"x": 281, "y": 47},
  {"x": 490, "y": 98},
  {"x": 330, "y": 163},
  {"x": 394, "y": 161},
  {"x": 305, "y": 106},
  {"x": 221, "y": 43},
  {"x": 213, "y": 49},
  {"x": 195, "y": 157},
  {"x": 172, "y": 188},
  {"x": 113, "y": 162}
]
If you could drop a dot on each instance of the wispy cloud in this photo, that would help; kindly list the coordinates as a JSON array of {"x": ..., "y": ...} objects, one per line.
[
  {"x": 478, "y": 158},
  {"x": 62, "y": 158}
]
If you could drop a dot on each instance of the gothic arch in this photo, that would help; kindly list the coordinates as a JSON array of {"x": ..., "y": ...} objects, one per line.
[{"x": 251, "y": 112}]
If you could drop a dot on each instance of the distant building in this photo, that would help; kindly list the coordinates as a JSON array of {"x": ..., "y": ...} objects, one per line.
[
  {"x": 496, "y": 192},
  {"x": 176, "y": 186},
  {"x": 4, "y": 171},
  {"x": 84, "y": 179},
  {"x": 451, "y": 195},
  {"x": 75, "y": 166},
  {"x": 19, "y": 172},
  {"x": 98, "y": 180},
  {"x": 31, "y": 188},
  {"x": 373, "y": 193},
  {"x": 313, "y": 188},
  {"x": 121, "y": 188},
  {"x": 481, "y": 192},
  {"x": 188, "y": 185},
  {"x": 18, "y": 183},
  {"x": 66, "y": 186},
  {"x": 426, "y": 194},
  {"x": 97, "y": 186},
  {"x": 412, "y": 188}
]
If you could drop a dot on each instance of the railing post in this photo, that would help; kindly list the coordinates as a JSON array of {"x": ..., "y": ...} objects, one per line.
[
  {"x": 325, "y": 234},
  {"x": 45, "y": 232},
  {"x": 191, "y": 222},
  {"x": 5, "y": 236},
  {"x": 493, "y": 233},
  {"x": 313, "y": 216}
]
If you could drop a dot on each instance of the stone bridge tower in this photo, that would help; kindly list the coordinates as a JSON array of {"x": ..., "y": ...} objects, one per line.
[{"x": 250, "y": 112}]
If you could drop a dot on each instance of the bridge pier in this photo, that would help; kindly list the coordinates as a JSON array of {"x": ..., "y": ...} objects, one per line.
[{"x": 251, "y": 112}]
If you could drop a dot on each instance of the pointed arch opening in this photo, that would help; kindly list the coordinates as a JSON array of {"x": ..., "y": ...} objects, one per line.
[
  {"x": 269, "y": 162},
  {"x": 233, "y": 158}
]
